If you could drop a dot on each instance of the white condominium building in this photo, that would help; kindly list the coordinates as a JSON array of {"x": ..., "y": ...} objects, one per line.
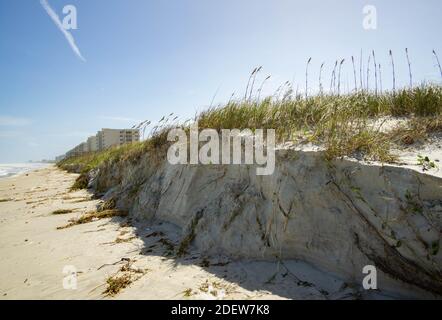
[
  {"x": 78, "y": 150},
  {"x": 104, "y": 139},
  {"x": 111, "y": 137},
  {"x": 92, "y": 144}
]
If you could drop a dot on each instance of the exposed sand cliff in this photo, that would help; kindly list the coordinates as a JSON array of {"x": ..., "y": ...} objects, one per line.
[
  {"x": 339, "y": 215},
  {"x": 35, "y": 254}
]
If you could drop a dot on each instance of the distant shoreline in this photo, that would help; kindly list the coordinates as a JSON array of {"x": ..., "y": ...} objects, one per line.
[{"x": 8, "y": 170}]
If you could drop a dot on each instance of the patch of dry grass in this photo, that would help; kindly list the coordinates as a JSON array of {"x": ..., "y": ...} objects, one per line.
[
  {"x": 62, "y": 211},
  {"x": 117, "y": 283},
  {"x": 81, "y": 182},
  {"x": 81, "y": 200},
  {"x": 95, "y": 215},
  {"x": 416, "y": 129},
  {"x": 188, "y": 292},
  {"x": 107, "y": 205},
  {"x": 215, "y": 287},
  {"x": 124, "y": 277},
  {"x": 123, "y": 240}
]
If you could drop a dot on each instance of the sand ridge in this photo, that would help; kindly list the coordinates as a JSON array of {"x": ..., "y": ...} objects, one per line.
[{"x": 35, "y": 254}]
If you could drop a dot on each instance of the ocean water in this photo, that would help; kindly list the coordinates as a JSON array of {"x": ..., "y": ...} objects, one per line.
[{"x": 12, "y": 169}]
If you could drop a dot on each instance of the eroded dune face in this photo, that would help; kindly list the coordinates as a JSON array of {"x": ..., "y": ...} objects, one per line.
[{"x": 339, "y": 215}]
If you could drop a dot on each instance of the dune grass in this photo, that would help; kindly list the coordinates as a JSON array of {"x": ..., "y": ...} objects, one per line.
[
  {"x": 131, "y": 152},
  {"x": 81, "y": 182},
  {"x": 92, "y": 160},
  {"x": 417, "y": 129},
  {"x": 344, "y": 124}
]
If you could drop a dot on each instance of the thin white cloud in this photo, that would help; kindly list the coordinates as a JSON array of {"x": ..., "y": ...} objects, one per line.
[
  {"x": 59, "y": 25},
  {"x": 13, "y": 121}
]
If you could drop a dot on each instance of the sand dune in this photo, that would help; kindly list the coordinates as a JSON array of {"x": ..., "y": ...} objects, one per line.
[{"x": 35, "y": 254}]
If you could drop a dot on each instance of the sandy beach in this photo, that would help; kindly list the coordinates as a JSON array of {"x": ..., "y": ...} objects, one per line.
[{"x": 40, "y": 262}]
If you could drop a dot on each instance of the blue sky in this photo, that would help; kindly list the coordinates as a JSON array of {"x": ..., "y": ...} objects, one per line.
[{"x": 146, "y": 58}]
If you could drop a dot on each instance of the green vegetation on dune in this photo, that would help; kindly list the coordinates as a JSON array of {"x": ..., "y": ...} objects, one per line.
[
  {"x": 342, "y": 124},
  {"x": 298, "y": 113},
  {"x": 92, "y": 160}
]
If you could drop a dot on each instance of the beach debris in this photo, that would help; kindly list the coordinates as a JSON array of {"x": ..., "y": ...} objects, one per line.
[
  {"x": 62, "y": 211},
  {"x": 188, "y": 292},
  {"x": 116, "y": 283},
  {"x": 107, "y": 205},
  {"x": 115, "y": 263},
  {"x": 122, "y": 240},
  {"x": 95, "y": 215},
  {"x": 215, "y": 288},
  {"x": 123, "y": 278}
]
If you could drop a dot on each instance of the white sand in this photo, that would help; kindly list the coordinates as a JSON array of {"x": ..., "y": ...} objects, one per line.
[
  {"x": 431, "y": 149},
  {"x": 33, "y": 254}
]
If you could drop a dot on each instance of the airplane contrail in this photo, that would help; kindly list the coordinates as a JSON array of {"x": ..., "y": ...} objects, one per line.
[{"x": 59, "y": 25}]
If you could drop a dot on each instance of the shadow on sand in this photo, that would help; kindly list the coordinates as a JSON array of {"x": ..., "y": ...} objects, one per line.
[{"x": 289, "y": 279}]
